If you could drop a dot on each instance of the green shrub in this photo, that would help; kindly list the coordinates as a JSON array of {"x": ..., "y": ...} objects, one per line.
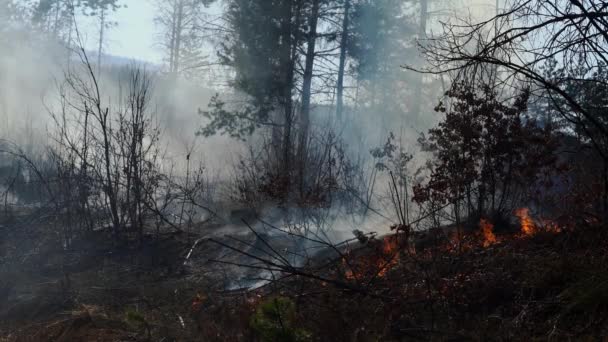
[
  {"x": 274, "y": 321},
  {"x": 137, "y": 321}
]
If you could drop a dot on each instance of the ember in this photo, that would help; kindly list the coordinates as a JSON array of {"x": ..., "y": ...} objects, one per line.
[{"x": 551, "y": 226}]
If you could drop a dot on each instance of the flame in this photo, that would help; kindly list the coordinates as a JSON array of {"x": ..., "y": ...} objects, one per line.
[
  {"x": 390, "y": 245},
  {"x": 527, "y": 225},
  {"x": 390, "y": 256},
  {"x": 488, "y": 234},
  {"x": 377, "y": 263},
  {"x": 348, "y": 272}
]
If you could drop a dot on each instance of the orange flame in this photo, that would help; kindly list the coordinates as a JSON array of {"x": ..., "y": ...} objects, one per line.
[
  {"x": 390, "y": 245},
  {"x": 377, "y": 263},
  {"x": 527, "y": 225},
  {"x": 348, "y": 272},
  {"x": 391, "y": 252},
  {"x": 488, "y": 234}
]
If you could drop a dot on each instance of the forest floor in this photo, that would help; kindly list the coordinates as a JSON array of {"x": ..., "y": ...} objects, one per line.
[
  {"x": 546, "y": 286},
  {"x": 550, "y": 286}
]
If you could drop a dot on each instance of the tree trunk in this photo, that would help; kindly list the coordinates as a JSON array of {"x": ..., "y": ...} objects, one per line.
[
  {"x": 56, "y": 21},
  {"x": 102, "y": 22},
  {"x": 110, "y": 191},
  {"x": 306, "y": 90},
  {"x": 342, "y": 67},
  {"x": 84, "y": 177},
  {"x": 172, "y": 40},
  {"x": 178, "y": 37},
  {"x": 417, "y": 99},
  {"x": 288, "y": 65}
]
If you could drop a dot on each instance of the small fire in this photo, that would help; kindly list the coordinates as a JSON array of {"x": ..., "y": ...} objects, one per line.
[
  {"x": 390, "y": 245},
  {"x": 527, "y": 224},
  {"x": 487, "y": 229},
  {"x": 377, "y": 263},
  {"x": 348, "y": 272},
  {"x": 390, "y": 255}
]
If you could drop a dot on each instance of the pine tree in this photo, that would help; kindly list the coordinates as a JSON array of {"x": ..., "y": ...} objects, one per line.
[
  {"x": 380, "y": 43},
  {"x": 181, "y": 26},
  {"x": 272, "y": 50}
]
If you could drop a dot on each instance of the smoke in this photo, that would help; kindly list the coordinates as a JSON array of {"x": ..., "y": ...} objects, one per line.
[
  {"x": 379, "y": 101},
  {"x": 28, "y": 69},
  {"x": 33, "y": 70}
]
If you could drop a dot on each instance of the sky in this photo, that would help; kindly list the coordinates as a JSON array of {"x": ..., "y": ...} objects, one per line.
[{"x": 134, "y": 36}]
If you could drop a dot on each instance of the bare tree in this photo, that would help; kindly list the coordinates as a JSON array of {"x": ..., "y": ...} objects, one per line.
[
  {"x": 114, "y": 146},
  {"x": 518, "y": 44}
]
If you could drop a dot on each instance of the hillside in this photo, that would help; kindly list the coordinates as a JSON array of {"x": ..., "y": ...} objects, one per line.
[{"x": 519, "y": 285}]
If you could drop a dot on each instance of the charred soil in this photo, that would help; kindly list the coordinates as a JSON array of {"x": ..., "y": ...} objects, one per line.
[{"x": 548, "y": 285}]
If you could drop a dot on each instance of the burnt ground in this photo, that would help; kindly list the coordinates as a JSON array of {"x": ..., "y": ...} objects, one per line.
[
  {"x": 100, "y": 290},
  {"x": 550, "y": 286}
]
